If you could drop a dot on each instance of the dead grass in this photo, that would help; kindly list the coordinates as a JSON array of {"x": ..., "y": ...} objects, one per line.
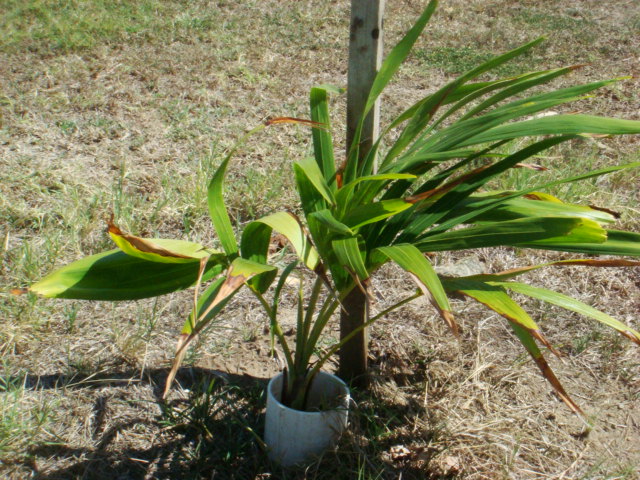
[{"x": 133, "y": 114}]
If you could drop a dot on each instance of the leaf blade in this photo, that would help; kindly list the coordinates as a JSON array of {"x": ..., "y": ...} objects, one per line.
[
  {"x": 288, "y": 225},
  {"x": 218, "y": 211},
  {"x": 349, "y": 255},
  {"x": 114, "y": 275},
  {"x": 410, "y": 259},
  {"x": 557, "y": 125},
  {"x": 572, "y": 304}
]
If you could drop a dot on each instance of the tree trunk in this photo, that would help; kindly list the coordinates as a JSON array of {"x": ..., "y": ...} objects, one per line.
[{"x": 354, "y": 353}]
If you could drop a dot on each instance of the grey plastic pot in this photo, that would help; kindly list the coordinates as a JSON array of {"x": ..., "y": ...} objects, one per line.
[{"x": 296, "y": 437}]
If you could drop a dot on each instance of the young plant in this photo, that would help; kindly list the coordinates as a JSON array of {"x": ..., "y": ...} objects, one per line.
[
  {"x": 428, "y": 191},
  {"x": 304, "y": 361}
]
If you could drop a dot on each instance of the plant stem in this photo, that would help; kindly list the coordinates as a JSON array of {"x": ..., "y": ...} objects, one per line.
[
  {"x": 393, "y": 307},
  {"x": 275, "y": 328},
  {"x": 300, "y": 336},
  {"x": 334, "y": 348},
  {"x": 304, "y": 346},
  {"x": 322, "y": 319}
]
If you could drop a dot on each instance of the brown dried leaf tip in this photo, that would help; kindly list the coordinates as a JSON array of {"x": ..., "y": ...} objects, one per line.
[
  {"x": 615, "y": 214},
  {"x": 531, "y": 166},
  {"x": 555, "y": 383},
  {"x": 181, "y": 350},
  {"x": 142, "y": 244},
  {"x": 303, "y": 121}
]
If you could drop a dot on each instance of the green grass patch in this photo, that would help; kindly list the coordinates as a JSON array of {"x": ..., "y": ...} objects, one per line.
[
  {"x": 75, "y": 25},
  {"x": 22, "y": 419},
  {"x": 458, "y": 60},
  {"x": 572, "y": 21},
  {"x": 550, "y": 21}
]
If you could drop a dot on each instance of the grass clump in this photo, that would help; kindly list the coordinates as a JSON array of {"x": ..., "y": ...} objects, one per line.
[{"x": 23, "y": 419}]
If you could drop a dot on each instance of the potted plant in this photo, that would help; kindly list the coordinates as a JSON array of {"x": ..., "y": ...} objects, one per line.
[
  {"x": 430, "y": 193},
  {"x": 307, "y": 409}
]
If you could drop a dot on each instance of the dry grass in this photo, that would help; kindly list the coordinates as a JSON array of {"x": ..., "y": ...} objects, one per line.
[{"x": 134, "y": 116}]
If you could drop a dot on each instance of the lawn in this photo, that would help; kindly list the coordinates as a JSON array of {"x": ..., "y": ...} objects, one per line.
[{"x": 127, "y": 107}]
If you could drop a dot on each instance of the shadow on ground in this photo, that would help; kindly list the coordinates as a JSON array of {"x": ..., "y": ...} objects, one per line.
[{"x": 213, "y": 432}]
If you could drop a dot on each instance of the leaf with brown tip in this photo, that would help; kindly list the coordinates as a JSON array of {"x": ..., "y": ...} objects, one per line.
[
  {"x": 569, "y": 303},
  {"x": 496, "y": 299},
  {"x": 527, "y": 341},
  {"x": 606, "y": 210},
  {"x": 410, "y": 259},
  {"x": 574, "y": 262},
  {"x": 157, "y": 249}
]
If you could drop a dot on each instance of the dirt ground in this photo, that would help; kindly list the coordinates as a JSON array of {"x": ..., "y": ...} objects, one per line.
[{"x": 135, "y": 123}]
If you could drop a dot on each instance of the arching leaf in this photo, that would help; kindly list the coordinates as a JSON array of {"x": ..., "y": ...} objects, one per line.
[
  {"x": 572, "y": 304},
  {"x": 114, "y": 275},
  {"x": 410, "y": 259},
  {"x": 214, "y": 299},
  {"x": 286, "y": 224}
]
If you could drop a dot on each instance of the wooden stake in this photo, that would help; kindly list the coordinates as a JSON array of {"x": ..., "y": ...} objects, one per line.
[{"x": 365, "y": 58}]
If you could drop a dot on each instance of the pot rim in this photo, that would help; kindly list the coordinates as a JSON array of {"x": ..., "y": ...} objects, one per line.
[{"x": 334, "y": 378}]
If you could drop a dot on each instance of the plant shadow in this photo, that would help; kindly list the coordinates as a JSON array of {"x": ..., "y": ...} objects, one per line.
[{"x": 213, "y": 431}]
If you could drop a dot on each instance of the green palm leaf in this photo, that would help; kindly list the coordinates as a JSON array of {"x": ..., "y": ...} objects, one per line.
[
  {"x": 572, "y": 304},
  {"x": 322, "y": 141},
  {"x": 556, "y": 125},
  {"x": 426, "y": 111},
  {"x": 410, "y": 259},
  {"x": 255, "y": 238},
  {"x": 534, "y": 205},
  {"x": 532, "y": 231},
  {"x": 218, "y": 210},
  {"x": 114, "y": 275},
  {"x": 311, "y": 171},
  {"x": 617, "y": 243},
  {"x": 350, "y": 256}
]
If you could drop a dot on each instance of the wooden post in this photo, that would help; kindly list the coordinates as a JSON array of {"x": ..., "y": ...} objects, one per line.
[{"x": 365, "y": 58}]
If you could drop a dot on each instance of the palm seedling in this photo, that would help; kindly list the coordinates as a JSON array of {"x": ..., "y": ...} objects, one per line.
[{"x": 428, "y": 191}]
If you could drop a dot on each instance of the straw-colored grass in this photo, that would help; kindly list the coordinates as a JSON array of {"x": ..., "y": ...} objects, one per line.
[{"x": 127, "y": 107}]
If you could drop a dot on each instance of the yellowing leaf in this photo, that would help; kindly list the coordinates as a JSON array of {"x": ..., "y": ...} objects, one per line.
[
  {"x": 497, "y": 299},
  {"x": 158, "y": 249}
]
